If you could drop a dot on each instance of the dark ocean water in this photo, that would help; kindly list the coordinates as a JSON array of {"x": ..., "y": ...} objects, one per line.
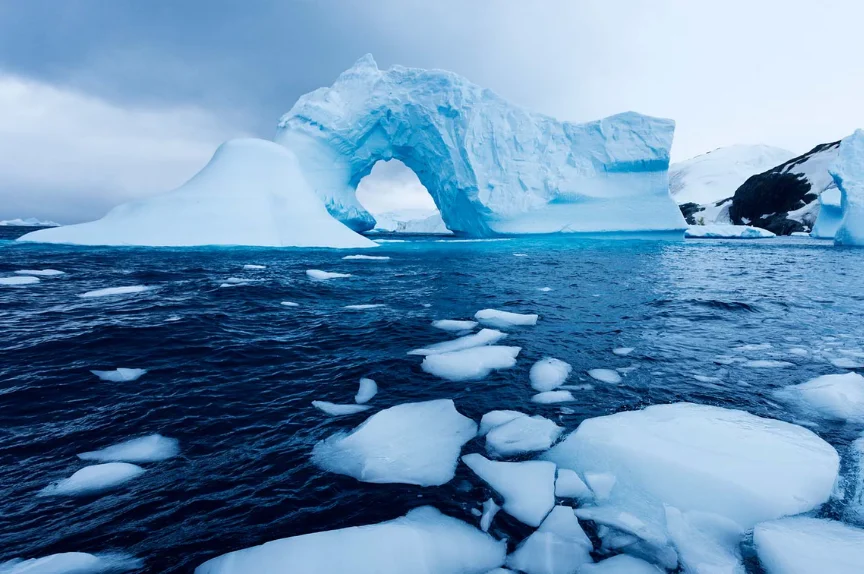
[{"x": 234, "y": 377}]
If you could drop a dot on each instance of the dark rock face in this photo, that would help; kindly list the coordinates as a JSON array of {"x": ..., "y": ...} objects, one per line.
[{"x": 689, "y": 210}]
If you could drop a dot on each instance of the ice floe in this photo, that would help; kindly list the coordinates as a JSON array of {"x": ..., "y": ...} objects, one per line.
[
  {"x": 553, "y": 397},
  {"x": 412, "y": 443},
  {"x": 528, "y": 488},
  {"x": 151, "y": 448},
  {"x": 109, "y": 291},
  {"x": 623, "y": 351},
  {"x": 19, "y": 280},
  {"x": 569, "y": 485},
  {"x": 72, "y": 563},
  {"x": 366, "y": 258},
  {"x": 93, "y": 479},
  {"x": 504, "y": 319},
  {"x": 454, "y": 325},
  {"x": 290, "y": 304},
  {"x": 252, "y": 266},
  {"x": 548, "y": 374},
  {"x": 493, "y": 419},
  {"x": 559, "y": 546},
  {"x": 838, "y": 397},
  {"x": 41, "y": 272},
  {"x": 424, "y": 541},
  {"x": 368, "y": 389},
  {"x": 544, "y": 289},
  {"x": 363, "y": 306},
  {"x": 767, "y": 364},
  {"x": 521, "y": 435},
  {"x": 470, "y": 364},
  {"x": 801, "y": 545},
  {"x": 607, "y": 376},
  {"x": 482, "y": 337},
  {"x": 318, "y": 275},
  {"x": 121, "y": 375},
  {"x": 622, "y": 530},
  {"x": 335, "y": 410},
  {"x": 490, "y": 509},
  {"x": 705, "y": 542},
  {"x": 846, "y": 363}
]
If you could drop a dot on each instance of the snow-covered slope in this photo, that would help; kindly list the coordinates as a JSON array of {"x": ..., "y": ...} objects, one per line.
[
  {"x": 490, "y": 166},
  {"x": 848, "y": 174},
  {"x": 252, "y": 192},
  {"x": 427, "y": 222},
  {"x": 715, "y": 175}
]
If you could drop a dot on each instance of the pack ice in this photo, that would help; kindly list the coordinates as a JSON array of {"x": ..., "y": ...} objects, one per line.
[
  {"x": 252, "y": 192},
  {"x": 412, "y": 443},
  {"x": 848, "y": 174},
  {"x": 528, "y": 488},
  {"x": 424, "y": 541},
  {"x": 491, "y": 167}
]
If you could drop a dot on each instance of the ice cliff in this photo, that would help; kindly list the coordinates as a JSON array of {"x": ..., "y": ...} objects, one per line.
[
  {"x": 848, "y": 174},
  {"x": 490, "y": 166}
]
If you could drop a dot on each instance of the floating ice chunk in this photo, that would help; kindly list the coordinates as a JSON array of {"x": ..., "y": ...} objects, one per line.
[
  {"x": 490, "y": 509},
  {"x": 412, "y": 443},
  {"x": 521, "y": 435},
  {"x": 559, "y": 546},
  {"x": 121, "y": 375},
  {"x": 754, "y": 347},
  {"x": 482, "y": 337},
  {"x": 846, "y": 363},
  {"x": 601, "y": 484},
  {"x": 109, "y": 291},
  {"x": 335, "y": 410},
  {"x": 621, "y": 529},
  {"x": 20, "y": 280},
  {"x": 623, "y": 351},
  {"x": 726, "y": 231},
  {"x": 368, "y": 389},
  {"x": 569, "y": 485},
  {"x": 289, "y": 304},
  {"x": 553, "y": 397},
  {"x": 453, "y": 325},
  {"x": 151, "y": 448},
  {"x": 422, "y": 542},
  {"x": 366, "y": 258},
  {"x": 72, "y": 563},
  {"x": 93, "y": 479},
  {"x": 548, "y": 373},
  {"x": 363, "y": 306},
  {"x": 831, "y": 396},
  {"x": 621, "y": 564},
  {"x": 706, "y": 379},
  {"x": 802, "y": 545},
  {"x": 705, "y": 542},
  {"x": 504, "y": 319},
  {"x": 253, "y": 266},
  {"x": 544, "y": 289},
  {"x": 41, "y": 272},
  {"x": 318, "y": 275},
  {"x": 799, "y": 351},
  {"x": 470, "y": 364},
  {"x": 528, "y": 487},
  {"x": 237, "y": 281},
  {"x": 767, "y": 364},
  {"x": 173, "y": 318},
  {"x": 607, "y": 376},
  {"x": 520, "y": 255},
  {"x": 493, "y": 419}
]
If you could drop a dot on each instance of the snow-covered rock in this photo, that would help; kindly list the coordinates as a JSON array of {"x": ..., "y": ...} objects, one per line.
[
  {"x": 72, "y": 563},
  {"x": 559, "y": 546},
  {"x": 848, "y": 174},
  {"x": 252, "y": 192},
  {"x": 548, "y": 374},
  {"x": 337, "y": 410},
  {"x": 367, "y": 389},
  {"x": 93, "y": 479},
  {"x": 505, "y": 319},
  {"x": 121, "y": 375},
  {"x": 412, "y": 443},
  {"x": 839, "y": 397},
  {"x": 424, "y": 541},
  {"x": 479, "y": 339},
  {"x": 802, "y": 545},
  {"x": 151, "y": 448},
  {"x": 726, "y": 232},
  {"x": 471, "y": 364},
  {"x": 830, "y": 214},
  {"x": 528, "y": 488},
  {"x": 521, "y": 435},
  {"x": 491, "y": 167}
]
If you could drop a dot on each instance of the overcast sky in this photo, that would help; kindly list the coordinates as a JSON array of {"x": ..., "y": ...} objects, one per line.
[{"x": 101, "y": 101}]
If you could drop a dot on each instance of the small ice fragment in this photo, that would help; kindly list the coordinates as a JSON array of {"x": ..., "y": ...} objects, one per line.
[
  {"x": 152, "y": 448},
  {"x": 521, "y": 435},
  {"x": 548, "y": 374},
  {"x": 601, "y": 483},
  {"x": 390, "y": 240},
  {"x": 363, "y": 306},
  {"x": 40, "y": 272},
  {"x": 108, "y": 291},
  {"x": 335, "y": 410},
  {"x": 237, "y": 281},
  {"x": 482, "y": 337},
  {"x": 318, "y": 275},
  {"x": 838, "y": 397},
  {"x": 173, "y": 318},
  {"x": 366, "y": 258},
  {"x": 121, "y": 375},
  {"x": 799, "y": 351},
  {"x": 21, "y": 280},
  {"x": 92, "y": 479},
  {"x": 470, "y": 364},
  {"x": 766, "y": 364},
  {"x": 528, "y": 487},
  {"x": 72, "y": 563},
  {"x": 621, "y": 564},
  {"x": 289, "y": 304},
  {"x": 706, "y": 379},
  {"x": 490, "y": 509},
  {"x": 453, "y": 325},
  {"x": 368, "y": 389},
  {"x": 569, "y": 485},
  {"x": 754, "y": 347},
  {"x": 623, "y": 351},
  {"x": 252, "y": 266},
  {"x": 544, "y": 289},
  {"x": 559, "y": 546},
  {"x": 727, "y": 360},
  {"x": 504, "y": 319},
  {"x": 608, "y": 376},
  {"x": 846, "y": 363},
  {"x": 520, "y": 255},
  {"x": 493, "y": 419},
  {"x": 553, "y": 397}
]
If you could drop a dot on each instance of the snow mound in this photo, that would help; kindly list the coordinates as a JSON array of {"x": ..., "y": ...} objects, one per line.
[
  {"x": 151, "y": 448},
  {"x": 335, "y": 410},
  {"x": 528, "y": 488},
  {"x": 111, "y": 291},
  {"x": 252, "y": 192},
  {"x": 93, "y": 479},
  {"x": 726, "y": 232},
  {"x": 559, "y": 546},
  {"x": 470, "y": 364},
  {"x": 318, "y": 275},
  {"x": 848, "y": 174},
  {"x": 553, "y": 397},
  {"x": 802, "y": 545},
  {"x": 479, "y": 339},
  {"x": 607, "y": 376},
  {"x": 838, "y": 397},
  {"x": 424, "y": 541},
  {"x": 454, "y": 325},
  {"x": 40, "y": 272},
  {"x": 504, "y": 319},
  {"x": 121, "y": 375},
  {"x": 548, "y": 374},
  {"x": 490, "y": 167},
  {"x": 413, "y": 443},
  {"x": 368, "y": 389},
  {"x": 521, "y": 435},
  {"x": 20, "y": 280},
  {"x": 366, "y": 258},
  {"x": 72, "y": 563}
]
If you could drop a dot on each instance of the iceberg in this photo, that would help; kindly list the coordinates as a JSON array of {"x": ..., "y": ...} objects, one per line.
[
  {"x": 152, "y": 448},
  {"x": 848, "y": 174},
  {"x": 412, "y": 443},
  {"x": 479, "y": 339},
  {"x": 830, "y": 214},
  {"x": 251, "y": 193},
  {"x": 622, "y": 351},
  {"x": 470, "y": 364},
  {"x": 548, "y": 374},
  {"x": 72, "y": 563},
  {"x": 504, "y": 319},
  {"x": 838, "y": 397},
  {"x": 27, "y": 222},
  {"x": 559, "y": 546},
  {"x": 93, "y": 479},
  {"x": 802, "y": 545},
  {"x": 121, "y": 375},
  {"x": 521, "y": 435},
  {"x": 335, "y": 410},
  {"x": 726, "y": 232},
  {"x": 424, "y": 541},
  {"x": 528, "y": 487},
  {"x": 368, "y": 389},
  {"x": 490, "y": 167}
]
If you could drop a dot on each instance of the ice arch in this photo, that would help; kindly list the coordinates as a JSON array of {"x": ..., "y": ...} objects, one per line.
[
  {"x": 491, "y": 167},
  {"x": 848, "y": 174}
]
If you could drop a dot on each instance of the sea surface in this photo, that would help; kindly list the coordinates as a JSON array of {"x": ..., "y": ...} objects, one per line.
[{"x": 232, "y": 372}]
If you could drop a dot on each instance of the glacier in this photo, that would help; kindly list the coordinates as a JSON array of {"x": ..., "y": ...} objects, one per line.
[
  {"x": 490, "y": 166},
  {"x": 848, "y": 174},
  {"x": 251, "y": 193}
]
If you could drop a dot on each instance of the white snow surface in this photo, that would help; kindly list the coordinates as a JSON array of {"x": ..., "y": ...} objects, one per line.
[
  {"x": 151, "y": 448},
  {"x": 726, "y": 232},
  {"x": 40, "y": 272},
  {"x": 801, "y": 545},
  {"x": 491, "y": 167},
  {"x": 111, "y": 291},
  {"x": 528, "y": 488},
  {"x": 454, "y": 325},
  {"x": 72, "y": 563},
  {"x": 504, "y": 319},
  {"x": 479, "y": 339},
  {"x": 424, "y": 541},
  {"x": 559, "y": 546},
  {"x": 412, "y": 443},
  {"x": 548, "y": 374},
  {"x": 470, "y": 364},
  {"x": 93, "y": 479},
  {"x": 368, "y": 389},
  {"x": 336, "y": 410},
  {"x": 252, "y": 192},
  {"x": 521, "y": 435},
  {"x": 121, "y": 375},
  {"x": 717, "y": 174},
  {"x": 19, "y": 280},
  {"x": 839, "y": 397},
  {"x": 848, "y": 174},
  {"x": 319, "y": 275}
]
